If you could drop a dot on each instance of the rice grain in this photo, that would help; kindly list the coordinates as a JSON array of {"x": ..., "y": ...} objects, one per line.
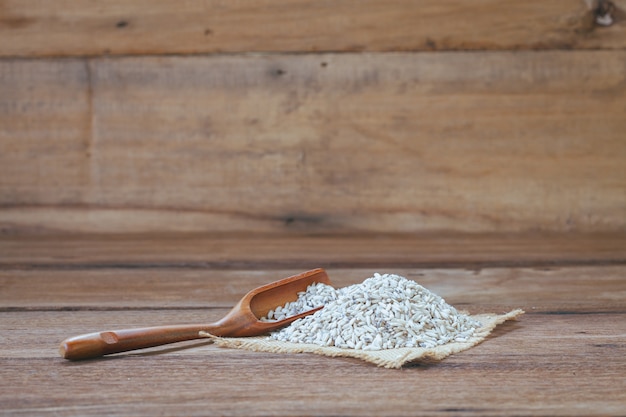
[{"x": 383, "y": 312}]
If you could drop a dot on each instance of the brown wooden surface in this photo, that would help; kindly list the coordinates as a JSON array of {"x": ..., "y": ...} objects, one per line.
[
  {"x": 565, "y": 356},
  {"x": 158, "y": 159},
  {"x": 485, "y": 141},
  {"x": 295, "y": 251},
  {"x": 81, "y": 27}
]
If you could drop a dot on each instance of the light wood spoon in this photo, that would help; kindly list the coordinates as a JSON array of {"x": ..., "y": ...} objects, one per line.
[{"x": 242, "y": 320}]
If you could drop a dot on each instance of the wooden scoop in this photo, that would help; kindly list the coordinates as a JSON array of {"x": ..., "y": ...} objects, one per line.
[{"x": 242, "y": 320}]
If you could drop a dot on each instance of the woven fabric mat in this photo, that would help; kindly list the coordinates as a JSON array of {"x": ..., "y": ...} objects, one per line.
[{"x": 388, "y": 358}]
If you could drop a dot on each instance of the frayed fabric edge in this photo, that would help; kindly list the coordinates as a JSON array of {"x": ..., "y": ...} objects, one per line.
[{"x": 387, "y": 358}]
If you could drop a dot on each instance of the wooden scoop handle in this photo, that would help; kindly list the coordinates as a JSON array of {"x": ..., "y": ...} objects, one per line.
[{"x": 97, "y": 344}]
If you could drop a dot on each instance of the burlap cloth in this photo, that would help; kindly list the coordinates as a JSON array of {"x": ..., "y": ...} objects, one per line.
[{"x": 388, "y": 358}]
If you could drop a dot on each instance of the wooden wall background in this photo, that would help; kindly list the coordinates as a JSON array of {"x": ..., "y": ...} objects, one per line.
[{"x": 314, "y": 116}]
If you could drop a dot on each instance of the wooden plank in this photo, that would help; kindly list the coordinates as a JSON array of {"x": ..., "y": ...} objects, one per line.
[
  {"x": 373, "y": 142},
  {"x": 483, "y": 391},
  {"x": 567, "y": 289},
  {"x": 565, "y": 356},
  {"x": 297, "y": 252},
  {"x": 541, "y": 365},
  {"x": 49, "y": 328},
  {"x": 79, "y": 27},
  {"x": 45, "y": 127}
]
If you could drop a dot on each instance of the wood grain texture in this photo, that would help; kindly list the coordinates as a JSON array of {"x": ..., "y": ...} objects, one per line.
[
  {"x": 252, "y": 252},
  {"x": 506, "y": 375},
  {"x": 79, "y": 27},
  {"x": 495, "y": 378},
  {"x": 565, "y": 356},
  {"x": 507, "y": 141},
  {"x": 300, "y": 134},
  {"x": 44, "y": 127},
  {"x": 212, "y": 291}
]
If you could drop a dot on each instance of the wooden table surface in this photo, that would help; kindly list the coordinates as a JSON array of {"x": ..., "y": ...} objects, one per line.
[{"x": 565, "y": 356}]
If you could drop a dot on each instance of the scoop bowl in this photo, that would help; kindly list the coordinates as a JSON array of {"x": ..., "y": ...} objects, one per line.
[{"x": 242, "y": 321}]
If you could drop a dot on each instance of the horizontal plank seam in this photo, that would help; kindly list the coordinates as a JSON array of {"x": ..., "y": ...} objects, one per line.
[
  {"x": 158, "y": 209},
  {"x": 28, "y": 309},
  {"x": 277, "y": 264},
  {"x": 292, "y": 53},
  {"x": 36, "y": 309}
]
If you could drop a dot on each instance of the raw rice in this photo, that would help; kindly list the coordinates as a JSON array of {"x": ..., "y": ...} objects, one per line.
[{"x": 383, "y": 312}]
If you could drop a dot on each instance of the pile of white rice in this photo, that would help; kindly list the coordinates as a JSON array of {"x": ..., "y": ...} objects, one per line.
[{"x": 383, "y": 312}]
